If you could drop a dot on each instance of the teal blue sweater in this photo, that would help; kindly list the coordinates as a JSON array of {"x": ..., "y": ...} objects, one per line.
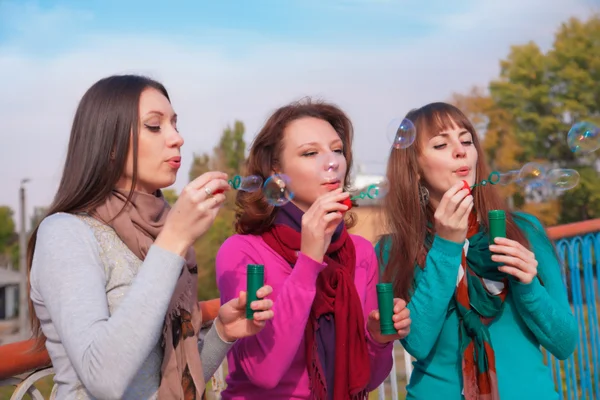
[{"x": 533, "y": 316}]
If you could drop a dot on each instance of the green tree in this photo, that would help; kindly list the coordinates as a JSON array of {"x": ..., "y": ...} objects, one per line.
[
  {"x": 531, "y": 106},
  {"x": 547, "y": 93},
  {"x": 523, "y": 90},
  {"x": 8, "y": 236},
  {"x": 574, "y": 75},
  {"x": 9, "y": 245},
  {"x": 228, "y": 156},
  {"x": 583, "y": 202},
  {"x": 206, "y": 253},
  {"x": 232, "y": 147}
]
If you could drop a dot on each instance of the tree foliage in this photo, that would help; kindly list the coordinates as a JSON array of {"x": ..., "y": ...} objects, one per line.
[
  {"x": 228, "y": 156},
  {"x": 525, "y": 114},
  {"x": 7, "y": 228},
  {"x": 9, "y": 243},
  {"x": 170, "y": 195}
]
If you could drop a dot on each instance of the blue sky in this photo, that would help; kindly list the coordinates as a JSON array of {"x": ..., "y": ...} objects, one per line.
[
  {"x": 233, "y": 59},
  {"x": 299, "y": 21}
]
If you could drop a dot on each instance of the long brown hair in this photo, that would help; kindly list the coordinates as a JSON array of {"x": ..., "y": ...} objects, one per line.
[
  {"x": 405, "y": 218},
  {"x": 254, "y": 214},
  {"x": 106, "y": 117}
]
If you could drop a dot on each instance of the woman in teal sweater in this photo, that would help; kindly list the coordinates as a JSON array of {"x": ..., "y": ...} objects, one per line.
[{"x": 479, "y": 312}]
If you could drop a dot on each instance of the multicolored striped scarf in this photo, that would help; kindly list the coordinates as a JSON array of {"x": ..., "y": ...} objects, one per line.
[{"x": 477, "y": 308}]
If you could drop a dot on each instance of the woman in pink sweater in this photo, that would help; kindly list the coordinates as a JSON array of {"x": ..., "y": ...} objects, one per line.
[{"x": 324, "y": 341}]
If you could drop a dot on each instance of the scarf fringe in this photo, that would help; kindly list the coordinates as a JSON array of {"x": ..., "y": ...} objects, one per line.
[
  {"x": 362, "y": 395},
  {"x": 316, "y": 376},
  {"x": 337, "y": 294},
  {"x": 138, "y": 221},
  {"x": 184, "y": 301}
]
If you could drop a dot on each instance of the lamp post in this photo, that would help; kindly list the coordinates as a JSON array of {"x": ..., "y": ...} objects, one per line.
[{"x": 23, "y": 307}]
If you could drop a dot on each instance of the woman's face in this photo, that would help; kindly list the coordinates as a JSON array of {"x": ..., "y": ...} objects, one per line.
[
  {"x": 159, "y": 145},
  {"x": 313, "y": 159},
  {"x": 445, "y": 159}
]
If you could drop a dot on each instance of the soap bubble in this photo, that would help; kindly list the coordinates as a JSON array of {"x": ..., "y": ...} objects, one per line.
[
  {"x": 562, "y": 179},
  {"x": 583, "y": 138},
  {"x": 331, "y": 166},
  {"x": 532, "y": 175},
  {"x": 401, "y": 133},
  {"x": 506, "y": 178},
  {"x": 277, "y": 190},
  {"x": 251, "y": 183}
]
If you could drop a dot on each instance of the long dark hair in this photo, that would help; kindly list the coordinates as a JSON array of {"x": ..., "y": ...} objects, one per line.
[
  {"x": 254, "y": 214},
  {"x": 405, "y": 218},
  {"x": 105, "y": 124}
]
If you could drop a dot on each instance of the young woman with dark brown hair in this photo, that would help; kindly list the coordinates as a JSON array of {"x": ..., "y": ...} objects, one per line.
[
  {"x": 113, "y": 275},
  {"x": 480, "y": 312},
  {"x": 324, "y": 341}
]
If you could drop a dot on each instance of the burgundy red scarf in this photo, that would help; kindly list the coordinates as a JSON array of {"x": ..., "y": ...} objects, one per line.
[{"x": 336, "y": 295}]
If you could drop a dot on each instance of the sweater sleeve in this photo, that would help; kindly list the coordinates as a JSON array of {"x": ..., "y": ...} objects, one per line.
[
  {"x": 380, "y": 355},
  {"x": 544, "y": 305},
  {"x": 68, "y": 279},
  {"x": 266, "y": 356},
  {"x": 213, "y": 350},
  {"x": 434, "y": 287}
]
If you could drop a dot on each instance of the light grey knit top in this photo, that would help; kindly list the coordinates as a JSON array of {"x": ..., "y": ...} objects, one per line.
[{"x": 102, "y": 310}]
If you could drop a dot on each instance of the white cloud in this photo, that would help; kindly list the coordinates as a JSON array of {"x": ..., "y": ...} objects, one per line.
[
  {"x": 210, "y": 87},
  {"x": 32, "y": 26}
]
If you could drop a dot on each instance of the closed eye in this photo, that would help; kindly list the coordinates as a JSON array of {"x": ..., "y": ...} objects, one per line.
[
  {"x": 309, "y": 154},
  {"x": 152, "y": 128}
]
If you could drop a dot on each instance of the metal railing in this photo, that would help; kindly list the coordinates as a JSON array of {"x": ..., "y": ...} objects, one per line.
[
  {"x": 21, "y": 366},
  {"x": 578, "y": 377}
]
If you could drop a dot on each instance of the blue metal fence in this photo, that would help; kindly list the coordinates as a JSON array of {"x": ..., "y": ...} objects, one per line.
[{"x": 578, "y": 377}]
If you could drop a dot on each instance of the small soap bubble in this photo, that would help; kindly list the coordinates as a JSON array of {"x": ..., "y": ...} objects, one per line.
[
  {"x": 532, "y": 175},
  {"x": 378, "y": 190},
  {"x": 401, "y": 133},
  {"x": 277, "y": 190},
  {"x": 583, "y": 138},
  {"x": 251, "y": 183},
  {"x": 562, "y": 179},
  {"x": 506, "y": 178},
  {"x": 331, "y": 166}
]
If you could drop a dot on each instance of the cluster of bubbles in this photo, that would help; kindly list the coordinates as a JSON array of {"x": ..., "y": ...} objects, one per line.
[
  {"x": 276, "y": 189},
  {"x": 535, "y": 175},
  {"x": 582, "y": 138},
  {"x": 328, "y": 164}
]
